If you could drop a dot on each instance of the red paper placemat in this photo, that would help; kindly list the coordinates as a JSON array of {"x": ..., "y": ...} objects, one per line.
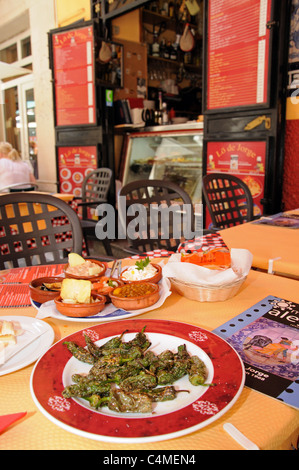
[{"x": 14, "y": 288}]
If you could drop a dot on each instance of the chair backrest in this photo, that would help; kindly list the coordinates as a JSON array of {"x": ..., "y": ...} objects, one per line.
[
  {"x": 20, "y": 187},
  {"x": 228, "y": 199},
  {"x": 160, "y": 228},
  {"x": 95, "y": 187},
  {"x": 37, "y": 229}
]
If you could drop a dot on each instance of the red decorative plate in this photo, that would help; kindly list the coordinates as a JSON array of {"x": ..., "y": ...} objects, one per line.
[{"x": 187, "y": 413}]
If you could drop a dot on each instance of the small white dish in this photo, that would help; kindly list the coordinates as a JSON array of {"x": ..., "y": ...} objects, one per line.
[{"x": 27, "y": 355}]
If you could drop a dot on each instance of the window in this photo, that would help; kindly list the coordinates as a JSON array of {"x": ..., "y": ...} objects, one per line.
[
  {"x": 26, "y": 47},
  {"x": 9, "y": 54},
  {"x": 17, "y": 50}
]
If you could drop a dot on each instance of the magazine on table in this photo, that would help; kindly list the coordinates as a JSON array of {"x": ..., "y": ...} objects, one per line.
[
  {"x": 266, "y": 337},
  {"x": 283, "y": 219}
]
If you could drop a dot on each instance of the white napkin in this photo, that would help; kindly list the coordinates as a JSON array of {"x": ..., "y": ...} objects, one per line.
[
  {"x": 241, "y": 261},
  {"x": 48, "y": 309}
]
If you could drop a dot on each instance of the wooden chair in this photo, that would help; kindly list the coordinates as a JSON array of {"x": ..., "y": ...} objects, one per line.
[
  {"x": 151, "y": 195},
  {"x": 37, "y": 229},
  {"x": 95, "y": 189},
  {"x": 228, "y": 199}
]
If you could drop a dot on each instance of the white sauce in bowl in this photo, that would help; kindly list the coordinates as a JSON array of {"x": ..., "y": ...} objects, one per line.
[{"x": 134, "y": 274}]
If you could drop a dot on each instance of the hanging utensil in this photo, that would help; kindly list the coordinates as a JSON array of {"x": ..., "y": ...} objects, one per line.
[
  {"x": 187, "y": 41},
  {"x": 105, "y": 52}
]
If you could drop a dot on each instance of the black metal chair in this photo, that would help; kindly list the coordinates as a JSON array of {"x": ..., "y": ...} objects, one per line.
[
  {"x": 37, "y": 229},
  {"x": 228, "y": 199},
  {"x": 20, "y": 187},
  {"x": 95, "y": 187},
  {"x": 156, "y": 230}
]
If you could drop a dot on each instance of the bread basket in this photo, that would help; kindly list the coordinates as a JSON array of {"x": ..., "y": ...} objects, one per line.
[{"x": 206, "y": 293}]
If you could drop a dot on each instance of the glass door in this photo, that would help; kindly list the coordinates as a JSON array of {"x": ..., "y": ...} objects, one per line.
[
  {"x": 29, "y": 124},
  {"x": 19, "y": 118}
]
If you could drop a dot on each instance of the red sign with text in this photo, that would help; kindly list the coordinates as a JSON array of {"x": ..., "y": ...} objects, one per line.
[
  {"x": 74, "y": 163},
  {"x": 74, "y": 77},
  {"x": 243, "y": 159},
  {"x": 238, "y": 53}
]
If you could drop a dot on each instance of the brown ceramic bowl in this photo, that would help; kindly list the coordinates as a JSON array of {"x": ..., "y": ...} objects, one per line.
[
  {"x": 40, "y": 296},
  {"x": 81, "y": 310},
  {"x": 99, "y": 288},
  {"x": 135, "y": 296},
  {"x": 87, "y": 278},
  {"x": 155, "y": 279}
]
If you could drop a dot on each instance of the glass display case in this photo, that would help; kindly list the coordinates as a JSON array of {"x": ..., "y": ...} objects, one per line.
[{"x": 172, "y": 152}]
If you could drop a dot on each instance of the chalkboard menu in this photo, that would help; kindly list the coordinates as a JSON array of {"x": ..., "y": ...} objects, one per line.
[
  {"x": 73, "y": 60},
  {"x": 237, "y": 53}
]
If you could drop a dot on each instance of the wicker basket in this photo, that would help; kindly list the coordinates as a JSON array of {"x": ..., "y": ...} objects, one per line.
[{"x": 206, "y": 293}]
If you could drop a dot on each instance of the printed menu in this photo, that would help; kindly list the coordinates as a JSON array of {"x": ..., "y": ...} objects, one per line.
[
  {"x": 74, "y": 77},
  {"x": 266, "y": 336},
  {"x": 14, "y": 287},
  {"x": 238, "y": 53}
]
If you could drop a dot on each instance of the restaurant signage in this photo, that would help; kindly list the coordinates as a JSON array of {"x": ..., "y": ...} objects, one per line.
[
  {"x": 237, "y": 53},
  {"x": 73, "y": 64},
  {"x": 244, "y": 159},
  {"x": 74, "y": 163}
]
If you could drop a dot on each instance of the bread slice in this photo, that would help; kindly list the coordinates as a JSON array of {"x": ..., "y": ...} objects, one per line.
[
  {"x": 7, "y": 328},
  {"x": 8, "y": 339}
]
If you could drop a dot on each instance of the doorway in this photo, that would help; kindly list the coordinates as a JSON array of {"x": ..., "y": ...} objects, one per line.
[{"x": 19, "y": 118}]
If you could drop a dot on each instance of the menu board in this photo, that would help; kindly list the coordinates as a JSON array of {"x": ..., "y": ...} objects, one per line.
[
  {"x": 74, "y": 77},
  {"x": 244, "y": 159},
  {"x": 74, "y": 163},
  {"x": 237, "y": 53}
]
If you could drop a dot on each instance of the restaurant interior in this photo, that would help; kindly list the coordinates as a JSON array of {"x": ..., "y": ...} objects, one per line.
[{"x": 149, "y": 265}]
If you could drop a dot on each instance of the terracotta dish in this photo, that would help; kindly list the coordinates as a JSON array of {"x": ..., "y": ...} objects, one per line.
[
  {"x": 134, "y": 296},
  {"x": 155, "y": 279},
  {"x": 100, "y": 286},
  {"x": 81, "y": 310},
  {"x": 40, "y": 294},
  {"x": 88, "y": 278}
]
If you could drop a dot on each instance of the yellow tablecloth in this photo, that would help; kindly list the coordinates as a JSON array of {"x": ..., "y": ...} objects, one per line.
[
  {"x": 270, "y": 423},
  {"x": 267, "y": 242}
]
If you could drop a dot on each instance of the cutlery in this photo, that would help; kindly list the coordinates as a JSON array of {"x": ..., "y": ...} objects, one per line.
[
  {"x": 239, "y": 437},
  {"x": 116, "y": 267},
  {"x": 8, "y": 356}
]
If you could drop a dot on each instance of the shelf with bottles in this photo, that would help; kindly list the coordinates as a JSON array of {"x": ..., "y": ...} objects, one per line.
[
  {"x": 176, "y": 63},
  {"x": 166, "y": 36},
  {"x": 171, "y": 22},
  {"x": 173, "y": 11}
]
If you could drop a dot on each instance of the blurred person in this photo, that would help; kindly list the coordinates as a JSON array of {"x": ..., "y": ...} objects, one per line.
[{"x": 13, "y": 169}]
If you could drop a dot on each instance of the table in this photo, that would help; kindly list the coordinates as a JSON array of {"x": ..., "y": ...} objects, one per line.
[
  {"x": 64, "y": 196},
  {"x": 274, "y": 249},
  {"x": 270, "y": 423}
]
